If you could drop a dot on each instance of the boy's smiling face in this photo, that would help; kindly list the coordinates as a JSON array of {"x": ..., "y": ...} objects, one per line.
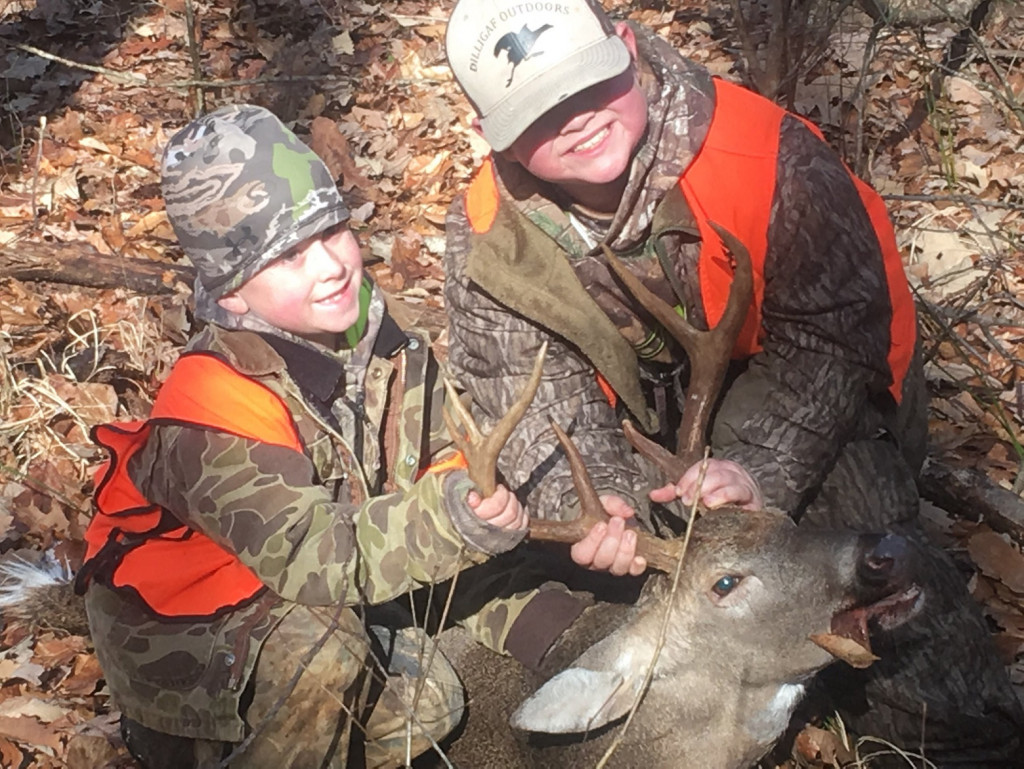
[
  {"x": 311, "y": 291},
  {"x": 586, "y": 143}
]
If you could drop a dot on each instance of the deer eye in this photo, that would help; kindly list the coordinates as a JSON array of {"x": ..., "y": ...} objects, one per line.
[{"x": 726, "y": 585}]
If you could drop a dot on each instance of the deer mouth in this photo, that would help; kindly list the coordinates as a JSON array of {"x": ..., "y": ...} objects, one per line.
[{"x": 849, "y": 638}]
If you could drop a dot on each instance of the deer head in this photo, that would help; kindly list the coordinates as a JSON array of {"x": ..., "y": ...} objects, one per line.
[{"x": 721, "y": 658}]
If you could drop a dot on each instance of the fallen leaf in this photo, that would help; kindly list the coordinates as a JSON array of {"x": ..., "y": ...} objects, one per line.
[
  {"x": 31, "y": 707},
  {"x": 998, "y": 558},
  {"x": 89, "y": 751},
  {"x": 846, "y": 649},
  {"x": 148, "y": 223},
  {"x": 29, "y": 731},
  {"x": 816, "y": 744},
  {"x": 93, "y": 143},
  {"x": 84, "y": 677},
  {"x": 331, "y": 145},
  {"x": 342, "y": 44},
  {"x": 10, "y": 754}
]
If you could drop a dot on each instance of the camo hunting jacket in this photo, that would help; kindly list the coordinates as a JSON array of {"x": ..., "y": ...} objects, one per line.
[
  {"x": 819, "y": 382},
  {"x": 343, "y": 524}
]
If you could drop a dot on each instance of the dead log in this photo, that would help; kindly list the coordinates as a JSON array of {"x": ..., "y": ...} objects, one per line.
[
  {"x": 971, "y": 494},
  {"x": 79, "y": 264}
]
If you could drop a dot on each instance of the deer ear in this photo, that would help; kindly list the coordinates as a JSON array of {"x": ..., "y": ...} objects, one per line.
[
  {"x": 600, "y": 687},
  {"x": 577, "y": 700}
]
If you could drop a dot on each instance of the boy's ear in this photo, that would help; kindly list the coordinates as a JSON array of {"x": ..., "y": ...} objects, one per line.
[
  {"x": 506, "y": 154},
  {"x": 624, "y": 31},
  {"x": 234, "y": 303}
]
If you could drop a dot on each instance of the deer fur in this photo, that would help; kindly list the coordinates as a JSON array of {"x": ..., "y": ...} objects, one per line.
[{"x": 730, "y": 670}]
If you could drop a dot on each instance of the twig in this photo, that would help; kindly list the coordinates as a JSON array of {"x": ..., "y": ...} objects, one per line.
[
  {"x": 42, "y": 487},
  {"x": 193, "y": 52},
  {"x": 621, "y": 734},
  {"x": 860, "y": 92},
  {"x": 35, "y": 171},
  {"x": 128, "y": 78},
  {"x": 963, "y": 199},
  {"x": 973, "y": 316}
]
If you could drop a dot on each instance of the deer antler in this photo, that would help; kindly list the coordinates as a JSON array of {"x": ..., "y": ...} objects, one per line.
[
  {"x": 660, "y": 553},
  {"x": 481, "y": 451},
  {"x": 708, "y": 351}
]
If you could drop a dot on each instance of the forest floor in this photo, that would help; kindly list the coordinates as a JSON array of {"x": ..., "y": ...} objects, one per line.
[{"x": 94, "y": 293}]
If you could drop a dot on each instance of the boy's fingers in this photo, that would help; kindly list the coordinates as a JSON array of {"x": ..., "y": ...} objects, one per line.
[
  {"x": 624, "y": 554},
  {"x": 607, "y": 553},
  {"x": 616, "y": 506},
  {"x": 584, "y": 550},
  {"x": 666, "y": 493}
]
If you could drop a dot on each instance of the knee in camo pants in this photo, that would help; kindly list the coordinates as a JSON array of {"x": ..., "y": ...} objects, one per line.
[{"x": 421, "y": 703}]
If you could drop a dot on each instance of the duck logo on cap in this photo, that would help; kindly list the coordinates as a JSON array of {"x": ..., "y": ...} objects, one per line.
[{"x": 519, "y": 46}]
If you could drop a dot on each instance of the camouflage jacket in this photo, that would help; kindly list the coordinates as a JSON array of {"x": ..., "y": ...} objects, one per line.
[
  {"x": 343, "y": 524},
  {"x": 825, "y": 314}
]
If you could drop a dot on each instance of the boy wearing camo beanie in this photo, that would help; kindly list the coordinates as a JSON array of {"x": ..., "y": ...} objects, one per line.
[{"x": 241, "y": 527}]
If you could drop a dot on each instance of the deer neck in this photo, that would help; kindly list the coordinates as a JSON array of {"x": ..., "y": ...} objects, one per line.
[{"x": 720, "y": 733}]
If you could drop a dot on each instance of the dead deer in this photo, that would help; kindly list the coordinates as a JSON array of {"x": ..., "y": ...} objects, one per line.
[{"x": 715, "y": 655}]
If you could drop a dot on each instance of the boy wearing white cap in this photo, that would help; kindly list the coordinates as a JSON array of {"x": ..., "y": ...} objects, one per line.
[{"x": 604, "y": 135}]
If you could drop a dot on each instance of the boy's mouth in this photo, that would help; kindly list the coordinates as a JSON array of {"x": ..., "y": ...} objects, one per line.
[
  {"x": 336, "y": 295},
  {"x": 593, "y": 141}
]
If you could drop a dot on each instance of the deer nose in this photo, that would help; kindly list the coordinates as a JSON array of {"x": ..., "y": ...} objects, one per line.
[{"x": 882, "y": 560}]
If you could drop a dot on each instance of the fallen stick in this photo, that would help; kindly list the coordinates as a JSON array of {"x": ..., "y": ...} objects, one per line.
[
  {"x": 79, "y": 264},
  {"x": 971, "y": 494}
]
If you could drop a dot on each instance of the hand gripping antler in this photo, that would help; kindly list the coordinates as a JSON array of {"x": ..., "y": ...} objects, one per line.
[
  {"x": 481, "y": 451},
  {"x": 660, "y": 553},
  {"x": 708, "y": 351}
]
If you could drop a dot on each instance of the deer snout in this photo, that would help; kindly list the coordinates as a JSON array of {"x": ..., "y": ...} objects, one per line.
[{"x": 883, "y": 560}]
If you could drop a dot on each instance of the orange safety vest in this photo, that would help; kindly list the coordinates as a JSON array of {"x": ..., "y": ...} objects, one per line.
[
  {"x": 135, "y": 545},
  {"x": 731, "y": 182}
]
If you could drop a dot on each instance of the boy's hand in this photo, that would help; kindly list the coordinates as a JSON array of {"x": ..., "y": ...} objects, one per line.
[
  {"x": 501, "y": 509},
  {"x": 611, "y": 546},
  {"x": 725, "y": 483}
]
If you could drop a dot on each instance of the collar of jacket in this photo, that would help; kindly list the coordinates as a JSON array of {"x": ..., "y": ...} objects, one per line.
[
  {"x": 525, "y": 270},
  {"x": 318, "y": 373}
]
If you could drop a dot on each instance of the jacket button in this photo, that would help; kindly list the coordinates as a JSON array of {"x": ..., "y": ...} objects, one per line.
[
  {"x": 414, "y": 344},
  {"x": 229, "y": 659},
  {"x": 376, "y": 373},
  {"x": 410, "y": 460}
]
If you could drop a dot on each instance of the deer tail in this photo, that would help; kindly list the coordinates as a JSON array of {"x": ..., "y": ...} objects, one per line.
[{"x": 41, "y": 594}]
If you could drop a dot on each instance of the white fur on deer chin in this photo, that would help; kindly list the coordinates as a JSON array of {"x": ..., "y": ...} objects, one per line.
[{"x": 767, "y": 724}]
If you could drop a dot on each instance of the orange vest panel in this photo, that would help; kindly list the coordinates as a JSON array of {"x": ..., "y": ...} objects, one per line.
[
  {"x": 738, "y": 163},
  {"x": 178, "y": 571}
]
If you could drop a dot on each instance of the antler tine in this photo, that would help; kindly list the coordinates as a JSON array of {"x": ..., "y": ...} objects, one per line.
[
  {"x": 482, "y": 451},
  {"x": 709, "y": 353},
  {"x": 660, "y": 554}
]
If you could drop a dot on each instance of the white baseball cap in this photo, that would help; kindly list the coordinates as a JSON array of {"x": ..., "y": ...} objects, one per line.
[{"x": 516, "y": 59}]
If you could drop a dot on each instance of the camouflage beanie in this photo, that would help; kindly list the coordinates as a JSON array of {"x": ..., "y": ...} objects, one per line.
[{"x": 240, "y": 190}]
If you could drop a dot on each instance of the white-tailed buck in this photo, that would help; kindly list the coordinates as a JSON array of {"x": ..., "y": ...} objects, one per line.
[{"x": 716, "y": 654}]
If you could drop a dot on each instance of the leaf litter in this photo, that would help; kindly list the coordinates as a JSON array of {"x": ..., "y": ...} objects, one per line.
[{"x": 366, "y": 85}]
